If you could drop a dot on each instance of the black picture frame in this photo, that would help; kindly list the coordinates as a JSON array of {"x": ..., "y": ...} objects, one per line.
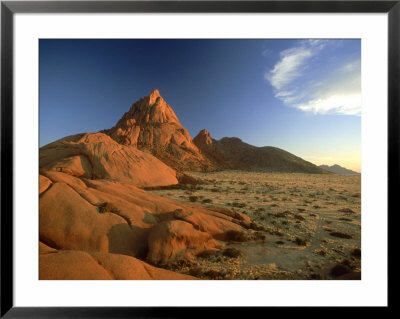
[{"x": 9, "y": 8}]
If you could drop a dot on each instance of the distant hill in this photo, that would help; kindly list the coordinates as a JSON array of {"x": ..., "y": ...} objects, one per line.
[
  {"x": 337, "y": 169},
  {"x": 233, "y": 153}
]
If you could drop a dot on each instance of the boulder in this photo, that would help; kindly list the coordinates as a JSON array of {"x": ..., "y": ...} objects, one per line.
[
  {"x": 176, "y": 240},
  {"x": 97, "y": 156},
  {"x": 67, "y": 221},
  {"x": 71, "y": 265}
]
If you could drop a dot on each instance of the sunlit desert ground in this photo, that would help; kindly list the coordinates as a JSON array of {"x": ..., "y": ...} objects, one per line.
[{"x": 307, "y": 226}]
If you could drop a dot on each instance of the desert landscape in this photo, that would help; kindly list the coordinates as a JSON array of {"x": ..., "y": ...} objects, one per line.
[
  {"x": 143, "y": 200},
  {"x": 303, "y": 226}
]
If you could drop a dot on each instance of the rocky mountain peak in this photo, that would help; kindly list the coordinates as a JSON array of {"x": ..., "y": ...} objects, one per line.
[
  {"x": 203, "y": 138},
  {"x": 150, "y": 109},
  {"x": 154, "y": 96},
  {"x": 152, "y": 125},
  {"x": 204, "y": 132}
]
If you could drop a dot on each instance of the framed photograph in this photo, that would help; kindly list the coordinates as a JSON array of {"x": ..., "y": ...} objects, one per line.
[{"x": 164, "y": 155}]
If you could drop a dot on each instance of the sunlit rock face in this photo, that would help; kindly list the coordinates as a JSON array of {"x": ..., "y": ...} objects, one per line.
[
  {"x": 97, "y": 156},
  {"x": 153, "y": 126}
]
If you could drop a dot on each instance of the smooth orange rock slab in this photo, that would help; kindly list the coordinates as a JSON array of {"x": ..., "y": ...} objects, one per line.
[
  {"x": 58, "y": 177},
  {"x": 134, "y": 214},
  {"x": 149, "y": 202},
  {"x": 174, "y": 240},
  {"x": 97, "y": 156},
  {"x": 68, "y": 221},
  {"x": 80, "y": 265},
  {"x": 78, "y": 165},
  {"x": 115, "y": 194},
  {"x": 71, "y": 265},
  {"x": 44, "y": 184}
]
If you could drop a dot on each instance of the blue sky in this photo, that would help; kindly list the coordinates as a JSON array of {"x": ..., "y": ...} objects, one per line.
[{"x": 301, "y": 95}]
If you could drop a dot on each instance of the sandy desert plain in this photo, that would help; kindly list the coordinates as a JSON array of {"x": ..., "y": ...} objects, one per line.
[{"x": 305, "y": 226}]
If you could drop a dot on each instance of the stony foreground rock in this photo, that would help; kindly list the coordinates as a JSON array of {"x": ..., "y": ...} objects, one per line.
[
  {"x": 102, "y": 229},
  {"x": 81, "y": 265},
  {"x": 177, "y": 240}
]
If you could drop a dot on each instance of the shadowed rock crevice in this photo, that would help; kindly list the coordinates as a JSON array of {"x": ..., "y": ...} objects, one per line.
[
  {"x": 134, "y": 244},
  {"x": 48, "y": 242},
  {"x": 149, "y": 218},
  {"x": 105, "y": 206}
]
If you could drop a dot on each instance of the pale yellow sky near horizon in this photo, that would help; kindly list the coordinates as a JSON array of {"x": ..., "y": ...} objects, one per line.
[{"x": 350, "y": 162}]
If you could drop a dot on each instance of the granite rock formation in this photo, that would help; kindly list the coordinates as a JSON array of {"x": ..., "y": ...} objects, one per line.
[{"x": 151, "y": 125}]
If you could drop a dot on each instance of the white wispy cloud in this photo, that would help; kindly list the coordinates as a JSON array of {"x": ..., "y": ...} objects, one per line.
[
  {"x": 289, "y": 67},
  {"x": 338, "y": 104},
  {"x": 301, "y": 79}
]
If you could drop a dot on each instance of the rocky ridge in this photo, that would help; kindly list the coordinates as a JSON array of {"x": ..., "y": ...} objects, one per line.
[{"x": 233, "y": 153}]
